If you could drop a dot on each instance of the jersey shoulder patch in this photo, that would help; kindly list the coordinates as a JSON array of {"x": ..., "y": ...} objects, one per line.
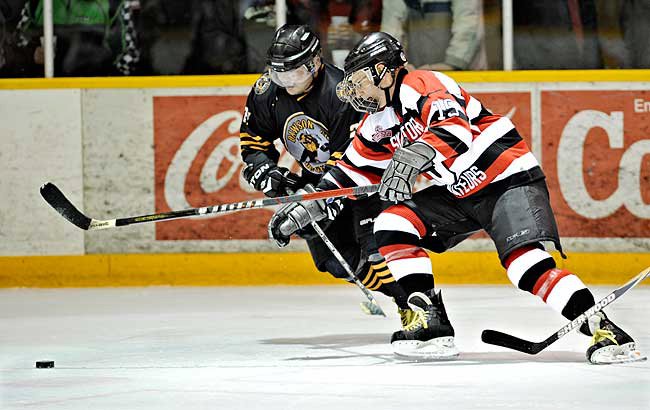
[{"x": 262, "y": 84}]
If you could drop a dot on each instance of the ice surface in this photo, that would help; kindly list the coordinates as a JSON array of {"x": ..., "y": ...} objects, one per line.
[{"x": 305, "y": 348}]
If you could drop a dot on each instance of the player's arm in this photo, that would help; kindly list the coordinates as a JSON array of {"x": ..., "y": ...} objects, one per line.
[
  {"x": 256, "y": 136},
  {"x": 360, "y": 165},
  {"x": 441, "y": 113},
  {"x": 363, "y": 161},
  {"x": 445, "y": 134},
  {"x": 295, "y": 217}
]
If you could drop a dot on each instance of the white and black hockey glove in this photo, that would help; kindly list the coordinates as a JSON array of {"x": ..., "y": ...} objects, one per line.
[
  {"x": 405, "y": 166},
  {"x": 272, "y": 180},
  {"x": 295, "y": 217}
]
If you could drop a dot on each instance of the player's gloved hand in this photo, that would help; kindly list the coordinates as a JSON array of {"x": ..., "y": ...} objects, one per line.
[
  {"x": 296, "y": 216},
  {"x": 272, "y": 180},
  {"x": 406, "y": 164}
]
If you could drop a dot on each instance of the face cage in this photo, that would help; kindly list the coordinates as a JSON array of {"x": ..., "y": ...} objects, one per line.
[
  {"x": 294, "y": 78},
  {"x": 357, "y": 89}
]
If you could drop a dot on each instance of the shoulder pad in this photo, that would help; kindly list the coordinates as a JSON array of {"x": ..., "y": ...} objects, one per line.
[{"x": 262, "y": 84}]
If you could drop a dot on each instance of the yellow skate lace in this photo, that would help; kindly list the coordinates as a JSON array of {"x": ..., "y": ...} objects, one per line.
[
  {"x": 406, "y": 316},
  {"x": 419, "y": 320},
  {"x": 601, "y": 334}
]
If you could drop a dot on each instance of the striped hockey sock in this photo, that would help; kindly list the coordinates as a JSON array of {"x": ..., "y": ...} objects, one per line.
[{"x": 533, "y": 270}]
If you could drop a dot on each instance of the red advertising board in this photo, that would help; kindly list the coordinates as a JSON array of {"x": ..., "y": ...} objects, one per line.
[
  {"x": 596, "y": 155},
  {"x": 197, "y": 162}
]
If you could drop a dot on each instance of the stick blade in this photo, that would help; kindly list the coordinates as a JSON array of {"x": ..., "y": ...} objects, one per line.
[
  {"x": 372, "y": 308},
  {"x": 497, "y": 338},
  {"x": 62, "y": 205}
]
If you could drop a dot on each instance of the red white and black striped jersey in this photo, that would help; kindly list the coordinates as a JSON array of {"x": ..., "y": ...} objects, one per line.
[{"x": 474, "y": 147}]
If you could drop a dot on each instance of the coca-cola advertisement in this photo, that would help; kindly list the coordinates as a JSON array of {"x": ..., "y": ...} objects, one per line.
[
  {"x": 595, "y": 153},
  {"x": 596, "y": 157},
  {"x": 197, "y": 163}
]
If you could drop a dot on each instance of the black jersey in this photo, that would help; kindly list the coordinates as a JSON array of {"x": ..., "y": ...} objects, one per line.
[{"x": 314, "y": 127}]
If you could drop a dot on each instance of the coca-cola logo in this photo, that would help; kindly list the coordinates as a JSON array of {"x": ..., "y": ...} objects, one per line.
[
  {"x": 198, "y": 163},
  {"x": 220, "y": 167},
  {"x": 570, "y": 158}
]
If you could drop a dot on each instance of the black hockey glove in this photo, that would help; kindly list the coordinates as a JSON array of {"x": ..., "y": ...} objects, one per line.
[
  {"x": 294, "y": 217},
  {"x": 269, "y": 178},
  {"x": 405, "y": 166}
]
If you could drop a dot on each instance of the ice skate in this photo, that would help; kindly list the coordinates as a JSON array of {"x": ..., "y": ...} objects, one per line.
[
  {"x": 609, "y": 343},
  {"x": 429, "y": 335}
]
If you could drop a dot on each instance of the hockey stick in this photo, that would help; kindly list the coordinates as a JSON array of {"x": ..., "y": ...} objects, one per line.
[
  {"x": 372, "y": 306},
  {"x": 62, "y": 205},
  {"x": 511, "y": 342}
]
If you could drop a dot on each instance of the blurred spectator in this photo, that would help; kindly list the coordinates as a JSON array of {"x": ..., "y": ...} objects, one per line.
[
  {"x": 9, "y": 16},
  {"x": 636, "y": 33},
  {"x": 259, "y": 23},
  {"x": 438, "y": 34},
  {"x": 624, "y": 33},
  {"x": 259, "y": 28},
  {"x": 91, "y": 37},
  {"x": 556, "y": 34},
  {"x": 193, "y": 37},
  {"x": 342, "y": 23},
  {"x": 218, "y": 45},
  {"x": 339, "y": 24},
  {"x": 166, "y": 36},
  {"x": 610, "y": 33}
]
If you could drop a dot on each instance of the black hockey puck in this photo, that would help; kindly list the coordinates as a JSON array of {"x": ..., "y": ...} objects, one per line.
[{"x": 45, "y": 364}]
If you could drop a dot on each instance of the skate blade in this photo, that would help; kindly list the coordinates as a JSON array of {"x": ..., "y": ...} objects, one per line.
[
  {"x": 617, "y": 355},
  {"x": 629, "y": 357},
  {"x": 442, "y": 348}
]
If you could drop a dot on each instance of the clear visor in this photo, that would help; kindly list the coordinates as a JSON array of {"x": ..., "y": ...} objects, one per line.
[
  {"x": 358, "y": 88},
  {"x": 291, "y": 78}
]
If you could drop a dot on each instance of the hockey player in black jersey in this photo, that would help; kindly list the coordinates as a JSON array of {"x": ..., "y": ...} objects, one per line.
[{"x": 295, "y": 102}]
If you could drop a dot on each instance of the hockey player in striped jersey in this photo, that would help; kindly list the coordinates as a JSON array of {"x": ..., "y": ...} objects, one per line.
[
  {"x": 483, "y": 177},
  {"x": 295, "y": 102}
]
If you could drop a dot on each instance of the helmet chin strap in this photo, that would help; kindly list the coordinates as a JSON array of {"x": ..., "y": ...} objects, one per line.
[
  {"x": 387, "y": 89},
  {"x": 387, "y": 94}
]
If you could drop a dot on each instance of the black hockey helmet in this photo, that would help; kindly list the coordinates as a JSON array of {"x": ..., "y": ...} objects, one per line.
[
  {"x": 365, "y": 68},
  {"x": 376, "y": 48},
  {"x": 292, "y": 47}
]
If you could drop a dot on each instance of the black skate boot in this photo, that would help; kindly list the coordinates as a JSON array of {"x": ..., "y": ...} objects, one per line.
[
  {"x": 609, "y": 343},
  {"x": 429, "y": 335}
]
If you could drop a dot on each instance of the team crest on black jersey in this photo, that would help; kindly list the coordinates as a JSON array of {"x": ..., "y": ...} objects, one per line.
[
  {"x": 307, "y": 140},
  {"x": 262, "y": 84}
]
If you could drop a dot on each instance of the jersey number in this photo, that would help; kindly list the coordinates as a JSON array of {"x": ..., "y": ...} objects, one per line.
[
  {"x": 446, "y": 108},
  {"x": 247, "y": 116}
]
